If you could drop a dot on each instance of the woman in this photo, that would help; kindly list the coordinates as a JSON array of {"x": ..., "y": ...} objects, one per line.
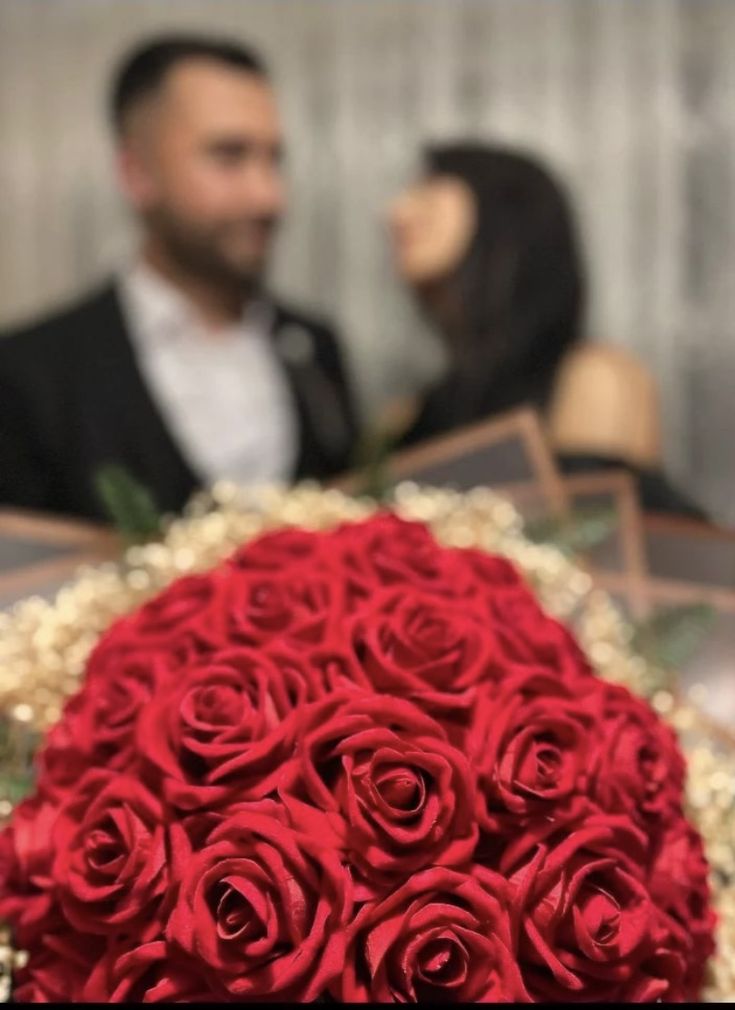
[{"x": 486, "y": 242}]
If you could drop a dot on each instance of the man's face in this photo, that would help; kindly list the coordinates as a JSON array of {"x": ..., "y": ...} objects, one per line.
[{"x": 201, "y": 164}]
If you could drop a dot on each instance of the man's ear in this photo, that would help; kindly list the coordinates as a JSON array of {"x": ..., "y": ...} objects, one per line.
[{"x": 134, "y": 174}]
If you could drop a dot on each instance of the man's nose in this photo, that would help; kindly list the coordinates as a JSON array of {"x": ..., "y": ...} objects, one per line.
[{"x": 265, "y": 189}]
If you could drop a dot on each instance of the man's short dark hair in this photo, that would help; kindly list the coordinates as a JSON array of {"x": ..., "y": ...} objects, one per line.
[{"x": 144, "y": 69}]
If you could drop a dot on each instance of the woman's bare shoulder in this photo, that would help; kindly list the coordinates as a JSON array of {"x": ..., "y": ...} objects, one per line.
[
  {"x": 606, "y": 363},
  {"x": 605, "y": 402}
]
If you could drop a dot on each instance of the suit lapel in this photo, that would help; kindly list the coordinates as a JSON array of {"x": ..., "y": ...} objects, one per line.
[
  {"x": 135, "y": 433},
  {"x": 320, "y": 414},
  {"x": 292, "y": 352}
]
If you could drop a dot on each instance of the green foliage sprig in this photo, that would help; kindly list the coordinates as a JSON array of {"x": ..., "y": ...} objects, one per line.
[{"x": 129, "y": 504}]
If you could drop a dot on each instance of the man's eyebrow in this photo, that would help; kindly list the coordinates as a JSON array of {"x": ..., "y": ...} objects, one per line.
[
  {"x": 236, "y": 144},
  {"x": 230, "y": 143}
]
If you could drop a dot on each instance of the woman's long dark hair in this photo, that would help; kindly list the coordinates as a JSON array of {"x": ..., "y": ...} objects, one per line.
[{"x": 518, "y": 294}]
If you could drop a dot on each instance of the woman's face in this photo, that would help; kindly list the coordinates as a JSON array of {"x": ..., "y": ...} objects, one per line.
[{"x": 431, "y": 227}]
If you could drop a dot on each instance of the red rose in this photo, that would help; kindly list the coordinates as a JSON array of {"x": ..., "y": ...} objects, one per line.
[
  {"x": 48, "y": 979},
  {"x": 303, "y": 608},
  {"x": 589, "y": 927},
  {"x": 679, "y": 884},
  {"x": 118, "y": 656},
  {"x": 222, "y": 730},
  {"x": 97, "y": 727},
  {"x": 333, "y": 664},
  {"x": 304, "y": 674},
  {"x": 423, "y": 647},
  {"x": 531, "y": 742},
  {"x": 277, "y": 549},
  {"x": 389, "y": 551},
  {"x": 194, "y": 829},
  {"x": 59, "y": 968},
  {"x": 264, "y": 907},
  {"x": 490, "y": 571},
  {"x": 151, "y": 973},
  {"x": 104, "y": 715},
  {"x": 529, "y": 637},
  {"x": 661, "y": 975},
  {"x": 183, "y": 620},
  {"x": 398, "y": 794},
  {"x": 110, "y": 865},
  {"x": 444, "y": 936},
  {"x": 639, "y": 767},
  {"x": 64, "y": 756},
  {"x": 526, "y": 635},
  {"x": 26, "y": 856}
]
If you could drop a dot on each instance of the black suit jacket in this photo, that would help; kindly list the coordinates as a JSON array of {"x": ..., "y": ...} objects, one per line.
[{"x": 72, "y": 399}]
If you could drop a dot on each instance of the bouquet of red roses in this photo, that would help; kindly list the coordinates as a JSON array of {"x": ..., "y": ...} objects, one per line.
[{"x": 354, "y": 765}]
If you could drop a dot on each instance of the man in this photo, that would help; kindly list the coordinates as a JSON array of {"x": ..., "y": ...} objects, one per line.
[{"x": 183, "y": 369}]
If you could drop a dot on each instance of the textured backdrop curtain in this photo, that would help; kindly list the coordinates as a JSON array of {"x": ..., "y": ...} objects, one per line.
[{"x": 632, "y": 101}]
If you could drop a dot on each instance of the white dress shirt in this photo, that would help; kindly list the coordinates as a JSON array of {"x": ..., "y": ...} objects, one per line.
[{"x": 223, "y": 395}]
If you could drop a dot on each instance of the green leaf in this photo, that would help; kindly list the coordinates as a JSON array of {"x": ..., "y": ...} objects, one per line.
[
  {"x": 673, "y": 635},
  {"x": 371, "y": 462},
  {"x": 18, "y": 745},
  {"x": 15, "y": 788},
  {"x": 583, "y": 529},
  {"x": 129, "y": 504}
]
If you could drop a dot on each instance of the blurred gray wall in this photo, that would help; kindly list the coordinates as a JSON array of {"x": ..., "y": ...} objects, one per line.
[{"x": 632, "y": 101}]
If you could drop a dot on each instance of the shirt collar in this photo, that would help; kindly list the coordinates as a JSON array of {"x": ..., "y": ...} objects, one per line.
[{"x": 162, "y": 311}]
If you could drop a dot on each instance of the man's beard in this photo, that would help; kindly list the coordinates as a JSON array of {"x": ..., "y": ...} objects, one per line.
[{"x": 200, "y": 251}]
